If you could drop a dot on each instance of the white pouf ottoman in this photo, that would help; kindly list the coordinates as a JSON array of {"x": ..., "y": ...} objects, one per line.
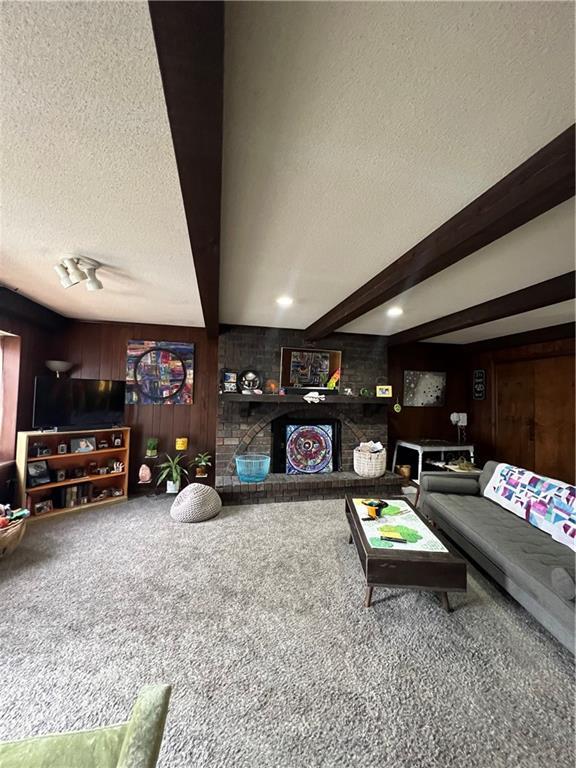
[{"x": 195, "y": 503}]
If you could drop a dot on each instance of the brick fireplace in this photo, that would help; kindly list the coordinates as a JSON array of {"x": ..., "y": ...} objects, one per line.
[{"x": 247, "y": 426}]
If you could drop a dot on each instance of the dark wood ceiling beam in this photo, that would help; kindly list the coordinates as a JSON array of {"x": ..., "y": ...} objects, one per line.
[
  {"x": 538, "y": 336},
  {"x": 554, "y": 291},
  {"x": 542, "y": 182},
  {"x": 189, "y": 39}
]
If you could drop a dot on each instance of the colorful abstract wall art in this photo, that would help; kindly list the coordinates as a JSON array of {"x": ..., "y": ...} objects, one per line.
[
  {"x": 309, "y": 449},
  {"x": 159, "y": 373}
]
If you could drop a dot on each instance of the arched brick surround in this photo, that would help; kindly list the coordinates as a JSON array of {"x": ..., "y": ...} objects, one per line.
[{"x": 266, "y": 420}]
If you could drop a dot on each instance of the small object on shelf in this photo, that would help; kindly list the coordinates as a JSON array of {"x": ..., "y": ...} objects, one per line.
[
  {"x": 365, "y": 392},
  {"x": 79, "y": 472},
  {"x": 151, "y": 447},
  {"x": 118, "y": 466},
  {"x": 62, "y": 448},
  {"x": 41, "y": 507},
  {"x": 103, "y": 445},
  {"x": 83, "y": 444},
  {"x": 282, "y": 392},
  {"x": 349, "y": 392},
  {"x": 102, "y": 471},
  {"x": 117, "y": 439},
  {"x": 314, "y": 397},
  {"x": 383, "y": 390},
  {"x": 92, "y": 468},
  {"x": 248, "y": 381},
  {"x": 39, "y": 449},
  {"x": 101, "y": 495},
  {"x": 404, "y": 470},
  {"x": 60, "y": 475},
  {"x": 114, "y": 491},
  {"x": 271, "y": 387},
  {"x": 200, "y": 463},
  {"x": 229, "y": 381},
  {"x": 38, "y": 473},
  {"x": 144, "y": 475},
  {"x": 333, "y": 380}
]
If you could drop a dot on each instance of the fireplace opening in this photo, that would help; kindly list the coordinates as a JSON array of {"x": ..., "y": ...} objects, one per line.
[{"x": 306, "y": 446}]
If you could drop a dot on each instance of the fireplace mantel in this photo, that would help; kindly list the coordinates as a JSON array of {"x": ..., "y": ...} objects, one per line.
[{"x": 330, "y": 400}]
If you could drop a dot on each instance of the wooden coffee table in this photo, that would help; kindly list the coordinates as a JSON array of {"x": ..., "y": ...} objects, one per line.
[{"x": 426, "y": 562}]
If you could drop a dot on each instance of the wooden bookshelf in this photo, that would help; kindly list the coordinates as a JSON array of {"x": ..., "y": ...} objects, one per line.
[{"x": 30, "y": 495}]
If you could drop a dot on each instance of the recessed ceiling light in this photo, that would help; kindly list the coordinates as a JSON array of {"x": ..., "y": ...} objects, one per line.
[
  {"x": 395, "y": 312},
  {"x": 284, "y": 301}
]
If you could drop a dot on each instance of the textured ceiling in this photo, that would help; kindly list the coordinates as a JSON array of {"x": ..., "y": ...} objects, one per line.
[
  {"x": 556, "y": 314},
  {"x": 352, "y": 130},
  {"x": 87, "y": 163}
]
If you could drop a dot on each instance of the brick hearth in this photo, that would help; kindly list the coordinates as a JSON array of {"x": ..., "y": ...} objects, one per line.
[{"x": 280, "y": 487}]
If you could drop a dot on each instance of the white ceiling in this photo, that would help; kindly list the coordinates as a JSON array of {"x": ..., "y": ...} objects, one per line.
[
  {"x": 556, "y": 314},
  {"x": 353, "y": 130},
  {"x": 87, "y": 164}
]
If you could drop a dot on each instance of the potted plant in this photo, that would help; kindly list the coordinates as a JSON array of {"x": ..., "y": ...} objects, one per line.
[
  {"x": 172, "y": 471},
  {"x": 200, "y": 463}
]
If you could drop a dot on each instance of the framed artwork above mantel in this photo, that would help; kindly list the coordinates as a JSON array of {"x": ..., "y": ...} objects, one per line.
[{"x": 310, "y": 369}]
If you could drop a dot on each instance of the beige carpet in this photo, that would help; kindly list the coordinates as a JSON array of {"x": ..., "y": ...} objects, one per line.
[{"x": 256, "y": 619}]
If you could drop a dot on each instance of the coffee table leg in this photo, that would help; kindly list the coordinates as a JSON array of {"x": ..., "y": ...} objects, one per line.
[
  {"x": 368, "y": 597},
  {"x": 350, "y": 539},
  {"x": 445, "y": 602}
]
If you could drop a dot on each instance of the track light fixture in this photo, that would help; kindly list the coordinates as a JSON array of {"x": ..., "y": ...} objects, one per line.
[{"x": 73, "y": 270}]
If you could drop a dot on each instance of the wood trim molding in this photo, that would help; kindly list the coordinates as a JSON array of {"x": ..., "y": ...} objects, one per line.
[
  {"x": 542, "y": 182},
  {"x": 554, "y": 291},
  {"x": 189, "y": 39}
]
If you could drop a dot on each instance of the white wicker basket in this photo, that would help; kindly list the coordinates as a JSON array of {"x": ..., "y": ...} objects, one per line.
[{"x": 369, "y": 464}]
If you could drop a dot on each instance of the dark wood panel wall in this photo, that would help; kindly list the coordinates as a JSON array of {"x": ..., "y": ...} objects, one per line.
[
  {"x": 433, "y": 422},
  {"x": 483, "y": 413},
  {"x": 98, "y": 350},
  {"x": 37, "y": 344}
]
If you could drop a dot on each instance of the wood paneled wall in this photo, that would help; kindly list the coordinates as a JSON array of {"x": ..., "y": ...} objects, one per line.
[
  {"x": 98, "y": 350},
  {"x": 433, "y": 422},
  {"x": 36, "y": 345},
  {"x": 554, "y": 391}
]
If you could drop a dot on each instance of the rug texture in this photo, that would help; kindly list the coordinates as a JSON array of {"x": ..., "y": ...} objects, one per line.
[{"x": 256, "y": 619}]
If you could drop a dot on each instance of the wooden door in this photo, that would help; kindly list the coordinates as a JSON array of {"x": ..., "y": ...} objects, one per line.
[
  {"x": 514, "y": 438},
  {"x": 554, "y": 417}
]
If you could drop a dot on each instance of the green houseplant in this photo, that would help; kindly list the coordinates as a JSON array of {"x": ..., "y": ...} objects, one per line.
[
  {"x": 172, "y": 471},
  {"x": 201, "y": 461}
]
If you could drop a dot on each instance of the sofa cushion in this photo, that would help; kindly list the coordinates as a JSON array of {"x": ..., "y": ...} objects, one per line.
[
  {"x": 563, "y": 583},
  {"x": 522, "y": 552}
]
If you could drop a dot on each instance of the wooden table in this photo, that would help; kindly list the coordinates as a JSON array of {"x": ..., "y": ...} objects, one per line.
[{"x": 441, "y": 572}]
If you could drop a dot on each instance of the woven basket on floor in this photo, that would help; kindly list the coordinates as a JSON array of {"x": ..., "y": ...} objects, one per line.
[
  {"x": 369, "y": 464},
  {"x": 12, "y": 536}
]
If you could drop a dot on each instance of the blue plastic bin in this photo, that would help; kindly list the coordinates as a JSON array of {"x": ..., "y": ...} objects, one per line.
[{"x": 252, "y": 467}]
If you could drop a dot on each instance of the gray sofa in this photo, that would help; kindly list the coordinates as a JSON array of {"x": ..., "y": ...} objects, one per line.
[{"x": 536, "y": 570}]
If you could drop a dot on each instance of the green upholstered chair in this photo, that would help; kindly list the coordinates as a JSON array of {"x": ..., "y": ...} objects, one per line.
[{"x": 134, "y": 744}]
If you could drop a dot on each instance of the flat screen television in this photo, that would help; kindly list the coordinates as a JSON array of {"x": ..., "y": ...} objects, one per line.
[{"x": 77, "y": 403}]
